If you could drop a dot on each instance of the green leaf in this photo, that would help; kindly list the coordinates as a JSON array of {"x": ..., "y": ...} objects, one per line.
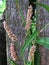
[
  {"x": 29, "y": 63},
  {"x": 43, "y": 5},
  {"x": 28, "y": 41},
  {"x": 44, "y": 41},
  {"x": 11, "y": 61}
]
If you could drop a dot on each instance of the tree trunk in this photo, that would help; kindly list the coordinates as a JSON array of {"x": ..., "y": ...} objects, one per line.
[
  {"x": 43, "y": 19},
  {"x": 14, "y": 21}
]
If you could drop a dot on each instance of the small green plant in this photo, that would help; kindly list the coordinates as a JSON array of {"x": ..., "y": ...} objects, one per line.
[{"x": 32, "y": 37}]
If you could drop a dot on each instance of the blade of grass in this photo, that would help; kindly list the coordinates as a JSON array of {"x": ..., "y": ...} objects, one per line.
[
  {"x": 44, "y": 27},
  {"x": 43, "y": 5},
  {"x": 20, "y": 12},
  {"x": 22, "y": 17},
  {"x": 28, "y": 41},
  {"x": 31, "y": 38},
  {"x": 11, "y": 61}
]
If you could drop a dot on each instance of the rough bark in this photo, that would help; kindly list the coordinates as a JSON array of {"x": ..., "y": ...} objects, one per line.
[
  {"x": 14, "y": 21},
  {"x": 43, "y": 19}
]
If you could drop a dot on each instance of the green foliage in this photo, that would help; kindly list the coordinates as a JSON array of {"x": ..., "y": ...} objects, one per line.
[
  {"x": 12, "y": 62},
  {"x": 29, "y": 63},
  {"x": 44, "y": 41},
  {"x": 34, "y": 35},
  {"x": 43, "y": 5},
  {"x": 2, "y": 6},
  {"x": 28, "y": 41}
]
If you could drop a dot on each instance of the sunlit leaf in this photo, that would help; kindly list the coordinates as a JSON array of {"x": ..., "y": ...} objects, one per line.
[
  {"x": 44, "y": 41},
  {"x": 2, "y": 6}
]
